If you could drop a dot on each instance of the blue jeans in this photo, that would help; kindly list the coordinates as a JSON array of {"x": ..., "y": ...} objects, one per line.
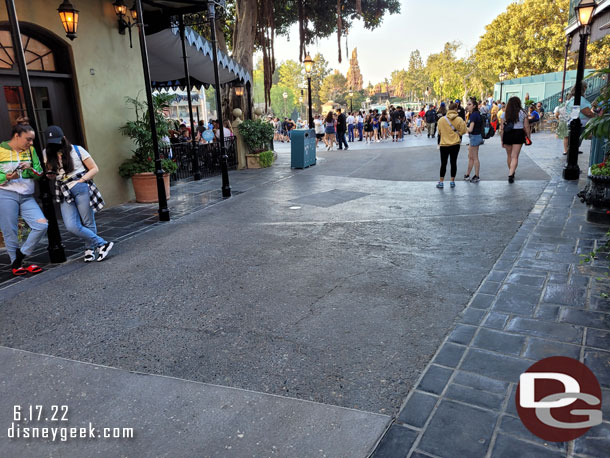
[
  {"x": 78, "y": 217},
  {"x": 11, "y": 204},
  {"x": 360, "y": 127},
  {"x": 350, "y": 133}
]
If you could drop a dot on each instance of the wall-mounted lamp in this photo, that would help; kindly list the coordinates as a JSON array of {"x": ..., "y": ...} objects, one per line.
[
  {"x": 125, "y": 24},
  {"x": 69, "y": 18},
  {"x": 239, "y": 91}
]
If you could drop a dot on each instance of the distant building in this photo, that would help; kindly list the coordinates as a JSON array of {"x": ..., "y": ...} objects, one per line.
[{"x": 354, "y": 77}]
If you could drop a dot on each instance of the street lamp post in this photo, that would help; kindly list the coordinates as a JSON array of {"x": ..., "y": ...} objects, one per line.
[
  {"x": 584, "y": 13},
  {"x": 224, "y": 166},
  {"x": 308, "y": 62},
  {"x": 301, "y": 107},
  {"x": 502, "y": 77},
  {"x": 285, "y": 95},
  {"x": 351, "y": 102}
]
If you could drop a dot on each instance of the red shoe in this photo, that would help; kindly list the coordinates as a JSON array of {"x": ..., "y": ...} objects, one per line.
[
  {"x": 19, "y": 271},
  {"x": 33, "y": 269}
]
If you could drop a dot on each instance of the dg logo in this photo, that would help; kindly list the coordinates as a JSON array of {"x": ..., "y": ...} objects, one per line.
[{"x": 559, "y": 399}]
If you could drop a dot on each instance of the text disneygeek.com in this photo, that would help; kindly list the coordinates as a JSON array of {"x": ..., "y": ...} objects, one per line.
[{"x": 27, "y": 419}]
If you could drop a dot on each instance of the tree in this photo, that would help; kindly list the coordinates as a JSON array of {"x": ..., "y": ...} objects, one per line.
[
  {"x": 333, "y": 87},
  {"x": 319, "y": 72},
  {"x": 291, "y": 76},
  {"x": 528, "y": 36},
  {"x": 282, "y": 108}
]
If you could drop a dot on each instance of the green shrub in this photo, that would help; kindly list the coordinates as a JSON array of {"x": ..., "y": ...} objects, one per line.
[
  {"x": 257, "y": 134},
  {"x": 266, "y": 159},
  {"x": 140, "y": 132}
]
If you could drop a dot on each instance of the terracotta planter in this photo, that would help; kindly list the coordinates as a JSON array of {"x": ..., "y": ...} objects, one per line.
[
  {"x": 252, "y": 161},
  {"x": 145, "y": 187}
]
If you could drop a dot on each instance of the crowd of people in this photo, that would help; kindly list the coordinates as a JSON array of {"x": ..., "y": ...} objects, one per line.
[{"x": 181, "y": 132}]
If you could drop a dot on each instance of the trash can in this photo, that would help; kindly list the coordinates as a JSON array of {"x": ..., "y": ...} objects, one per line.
[{"x": 302, "y": 148}]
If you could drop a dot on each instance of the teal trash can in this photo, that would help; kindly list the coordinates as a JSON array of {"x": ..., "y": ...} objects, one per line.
[{"x": 302, "y": 148}]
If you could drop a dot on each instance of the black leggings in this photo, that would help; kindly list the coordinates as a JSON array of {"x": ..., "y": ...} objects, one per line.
[{"x": 446, "y": 152}]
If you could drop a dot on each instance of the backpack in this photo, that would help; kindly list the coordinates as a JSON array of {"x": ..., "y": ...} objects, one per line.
[{"x": 488, "y": 130}]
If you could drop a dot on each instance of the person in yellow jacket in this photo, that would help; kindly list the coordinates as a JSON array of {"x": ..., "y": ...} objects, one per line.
[{"x": 450, "y": 128}]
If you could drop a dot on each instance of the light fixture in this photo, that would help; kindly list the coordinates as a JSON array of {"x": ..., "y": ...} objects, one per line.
[
  {"x": 584, "y": 11},
  {"x": 239, "y": 91},
  {"x": 351, "y": 94},
  {"x": 502, "y": 76},
  {"x": 120, "y": 10},
  {"x": 308, "y": 62},
  {"x": 69, "y": 18},
  {"x": 285, "y": 95}
]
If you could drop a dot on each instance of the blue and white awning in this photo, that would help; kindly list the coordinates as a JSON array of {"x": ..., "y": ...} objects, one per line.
[{"x": 167, "y": 67}]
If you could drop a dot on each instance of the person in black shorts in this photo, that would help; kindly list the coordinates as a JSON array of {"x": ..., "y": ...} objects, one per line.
[{"x": 397, "y": 119}]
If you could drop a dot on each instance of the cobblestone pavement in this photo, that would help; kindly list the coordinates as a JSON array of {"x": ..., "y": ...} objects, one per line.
[{"x": 538, "y": 301}]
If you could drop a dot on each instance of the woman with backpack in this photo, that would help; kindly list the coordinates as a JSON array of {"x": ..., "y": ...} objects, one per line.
[
  {"x": 475, "y": 131},
  {"x": 450, "y": 128},
  {"x": 73, "y": 169},
  {"x": 514, "y": 129}
]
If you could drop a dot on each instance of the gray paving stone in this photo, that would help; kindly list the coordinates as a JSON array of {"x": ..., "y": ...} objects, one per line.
[
  {"x": 596, "y": 442},
  {"x": 517, "y": 299},
  {"x": 449, "y": 355},
  {"x": 599, "y": 363},
  {"x": 480, "y": 382},
  {"x": 418, "y": 454},
  {"x": 565, "y": 295},
  {"x": 457, "y": 430},
  {"x": 606, "y": 403},
  {"x": 473, "y": 316},
  {"x": 494, "y": 365},
  {"x": 528, "y": 253},
  {"x": 396, "y": 443},
  {"x": 547, "y": 312},
  {"x": 482, "y": 301},
  {"x": 580, "y": 280},
  {"x": 497, "y": 275},
  {"x": 496, "y": 320},
  {"x": 499, "y": 341},
  {"x": 562, "y": 279},
  {"x": 490, "y": 287},
  {"x": 417, "y": 410},
  {"x": 526, "y": 280},
  {"x": 556, "y": 331},
  {"x": 509, "y": 447},
  {"x": 598, "y": 338},
  {"x": 548, "y": 266},
  {"x": 514, "y": 426},
  {"x": 462, "y": 334},
  {"x": 435, "y": 379},
  {"x": 474, "y": 397},
  {"x": 585, "y": 318},
  {"x": 598, "y": 303},
  {"x": 541, "y": 348}
]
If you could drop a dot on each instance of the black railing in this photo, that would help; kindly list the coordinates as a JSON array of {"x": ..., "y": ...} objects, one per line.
[{"x": 208, "y": 158}]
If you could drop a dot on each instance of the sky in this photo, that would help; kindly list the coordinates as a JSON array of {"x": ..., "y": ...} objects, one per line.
[{"x": 422, "y": 24}]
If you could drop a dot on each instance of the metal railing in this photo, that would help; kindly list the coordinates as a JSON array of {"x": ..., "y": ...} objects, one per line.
[
  {"x": 594, "y": 87},
  {"x": 208, "y": 158}
]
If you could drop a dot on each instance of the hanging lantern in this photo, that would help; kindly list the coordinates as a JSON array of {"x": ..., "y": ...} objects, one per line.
[{"x": 69, "y": 18}]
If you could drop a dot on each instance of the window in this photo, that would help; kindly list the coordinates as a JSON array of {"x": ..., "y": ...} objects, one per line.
[{"x": 38, "y": 56}]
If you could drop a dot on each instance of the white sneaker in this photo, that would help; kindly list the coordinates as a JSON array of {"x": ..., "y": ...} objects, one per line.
[
  {"x": 103, "y": 251},
  {"x": 89, "y": 255}
]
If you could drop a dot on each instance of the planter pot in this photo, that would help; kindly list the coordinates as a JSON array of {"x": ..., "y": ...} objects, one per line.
[
  {"x": 596, "y": 195},
  {"x": 145, "y": 187},
  {"x": 252, "y": 161}
]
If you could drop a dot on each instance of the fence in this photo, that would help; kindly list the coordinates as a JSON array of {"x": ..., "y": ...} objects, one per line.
[{"x": 208, "y": 158}]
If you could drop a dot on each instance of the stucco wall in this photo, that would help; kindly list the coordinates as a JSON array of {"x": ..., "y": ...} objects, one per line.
[{"x": 117, "y": 73}]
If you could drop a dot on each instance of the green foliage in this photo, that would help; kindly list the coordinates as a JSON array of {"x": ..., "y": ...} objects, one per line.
[
  {"x": 265, "y": 159},
  {"x": 282, "y": 108},
  {"x": 599, "y": 126},
  {"x": 333, "y": 88},
  {"x": 602, "y": 169},
  {"x": 140, "y": 132},
  {"x": 257, "y": 134}
]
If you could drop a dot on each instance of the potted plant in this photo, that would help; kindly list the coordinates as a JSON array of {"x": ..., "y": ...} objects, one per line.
[
  {"x": 596, "y": 193},
  {"x": 257, "y": 135},
  {"x": 140, "y": 167}
]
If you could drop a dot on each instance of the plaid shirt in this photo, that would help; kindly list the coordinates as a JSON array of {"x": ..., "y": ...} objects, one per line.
[{"x": 62, "y": 192}]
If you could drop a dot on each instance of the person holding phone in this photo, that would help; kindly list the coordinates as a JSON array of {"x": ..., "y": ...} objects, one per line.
[
  {"x": 19, "y": 167},
  {"x": 73, "y": 169}
]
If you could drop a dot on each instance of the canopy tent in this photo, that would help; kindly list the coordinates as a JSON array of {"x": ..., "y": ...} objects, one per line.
[{"x": 166, "y": 62}]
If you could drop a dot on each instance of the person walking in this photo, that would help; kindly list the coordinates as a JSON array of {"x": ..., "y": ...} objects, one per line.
[
  {"x": 475, "y": 132},
  {"x": 384, "y": 122},
  {"x": 514, "y": 128},
  {"x": 351, "y": 120},
  {"x": 319, "y": 129},
  {"x": 341, "y": 129},
  {"x": 73, "y": 169},
  {"x": 19, "y": 167},
  {"x": 368, "y": 127},
  {"x": 329, "y": 130},
  {"x": 360, "y": 125},
  {"x": 431, "y": 121},
  {"x": 375, "y": 123},
  {"x": 450, "y": 128}
]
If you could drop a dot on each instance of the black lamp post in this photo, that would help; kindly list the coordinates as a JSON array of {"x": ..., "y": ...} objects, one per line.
[
  {"x": 584, "y": 13},
  {"x": 308, "y": 62},
  {"x": 224, "y": 166},
  {"x": 351, "y": 101},
  {"x": 502, "y": 77}
]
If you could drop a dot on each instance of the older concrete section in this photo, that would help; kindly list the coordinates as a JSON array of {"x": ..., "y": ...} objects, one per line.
[{"x": 169, "y": 417}]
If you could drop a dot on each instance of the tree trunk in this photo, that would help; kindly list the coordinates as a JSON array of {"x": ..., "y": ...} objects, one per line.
[{"x": 243, "y": 42}]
